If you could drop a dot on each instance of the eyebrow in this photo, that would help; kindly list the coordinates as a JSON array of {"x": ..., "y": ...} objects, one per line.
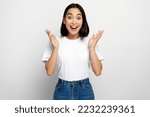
[{"x": 72, "y": 14}]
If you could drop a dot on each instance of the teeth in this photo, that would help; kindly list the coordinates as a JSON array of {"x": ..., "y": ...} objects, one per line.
[{"x": 74, "y": 27}]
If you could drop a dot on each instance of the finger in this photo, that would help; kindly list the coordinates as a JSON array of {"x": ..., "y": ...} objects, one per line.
[
  {"x": 93, "y": 36},
  {"x": 100, "y": 33},
  {"x": 48, "y": 32},
  {"x": 53, "y": 38},
  {"x": 96, "y": 37}
]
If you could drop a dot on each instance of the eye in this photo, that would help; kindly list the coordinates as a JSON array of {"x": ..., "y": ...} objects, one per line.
[
  {"x": 69, "y": 17},
  {"x": 79, "y": 18}
]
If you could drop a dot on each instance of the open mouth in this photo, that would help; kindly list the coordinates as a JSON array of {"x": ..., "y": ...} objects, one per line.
[{"x": 73, "y": 27}]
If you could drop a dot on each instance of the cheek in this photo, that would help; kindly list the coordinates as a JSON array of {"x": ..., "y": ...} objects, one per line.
[
  {"x": 80, "y": 23},
  {"x": 67, "y": 22}
]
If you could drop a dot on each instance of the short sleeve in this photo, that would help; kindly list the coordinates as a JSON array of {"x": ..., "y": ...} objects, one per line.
[
  {"x": 98, "y": 52},
  {"x": 47, "y": 52}
]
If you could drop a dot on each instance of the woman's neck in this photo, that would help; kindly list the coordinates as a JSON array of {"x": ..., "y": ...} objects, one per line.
[{"x": 73, "y": 37}]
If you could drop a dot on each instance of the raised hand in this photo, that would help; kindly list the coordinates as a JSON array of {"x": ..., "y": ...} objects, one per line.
[
  {"x": 53, "y": 39},
  {"x": 94, "y": 39}
]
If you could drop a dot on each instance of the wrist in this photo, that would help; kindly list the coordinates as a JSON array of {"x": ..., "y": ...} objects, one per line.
[
  {"x": 92, "y": 49},
  {"x": 55, "y": 49}
]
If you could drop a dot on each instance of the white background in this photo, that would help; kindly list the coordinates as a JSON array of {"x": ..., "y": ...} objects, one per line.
[{"x": 124, "y": 46}]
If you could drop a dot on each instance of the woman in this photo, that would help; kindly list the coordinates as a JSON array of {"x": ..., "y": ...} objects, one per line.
[{"x": 73, "y": 54}]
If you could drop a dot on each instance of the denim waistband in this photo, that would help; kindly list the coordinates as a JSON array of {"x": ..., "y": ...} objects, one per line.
[{"x": 60, "y": 81}]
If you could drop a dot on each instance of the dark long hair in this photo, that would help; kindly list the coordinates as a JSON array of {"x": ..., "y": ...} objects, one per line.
[{"x": 84, "y": 31}]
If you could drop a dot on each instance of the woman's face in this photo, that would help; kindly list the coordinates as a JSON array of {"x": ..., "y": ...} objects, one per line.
[{"x": 73, "y": 21}]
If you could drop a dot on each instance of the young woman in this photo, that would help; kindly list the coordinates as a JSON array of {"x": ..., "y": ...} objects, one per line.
[{"x": 72, "y": 55}]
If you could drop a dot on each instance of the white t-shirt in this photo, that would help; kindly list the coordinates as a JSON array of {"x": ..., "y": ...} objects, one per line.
[{"x": 73, "y": 58}]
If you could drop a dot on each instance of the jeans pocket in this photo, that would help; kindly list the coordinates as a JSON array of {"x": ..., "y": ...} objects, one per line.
[
  {"x": 61, "y": 92},
  {"x": 87, "y": 86},
  {"x": 86, "y": 91}
]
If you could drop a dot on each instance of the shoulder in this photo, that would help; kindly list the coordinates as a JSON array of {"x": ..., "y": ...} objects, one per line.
[{"x": 86, "y": 39}]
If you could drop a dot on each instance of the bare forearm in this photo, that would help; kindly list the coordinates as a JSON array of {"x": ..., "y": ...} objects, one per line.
[
  {"x": 52, "y": 62},
  {"x": 95, "y": 62}
]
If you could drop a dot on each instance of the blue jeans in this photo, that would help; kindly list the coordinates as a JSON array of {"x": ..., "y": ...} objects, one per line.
[{"x": 73, "y": 90}]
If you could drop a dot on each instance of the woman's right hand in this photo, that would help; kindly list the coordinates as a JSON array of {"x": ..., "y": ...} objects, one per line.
[{"x": 53, "y": 39}]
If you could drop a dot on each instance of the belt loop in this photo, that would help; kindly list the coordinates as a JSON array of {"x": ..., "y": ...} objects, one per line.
[{"x": 61, "y": 81}]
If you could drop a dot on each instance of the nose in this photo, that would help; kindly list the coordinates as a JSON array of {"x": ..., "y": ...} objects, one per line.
[{"x": 73, "y": 21}]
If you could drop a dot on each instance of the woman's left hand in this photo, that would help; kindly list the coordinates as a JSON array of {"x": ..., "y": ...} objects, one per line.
[{"x": 94, "y": 39}]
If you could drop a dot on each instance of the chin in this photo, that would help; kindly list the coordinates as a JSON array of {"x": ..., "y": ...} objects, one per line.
[{"x": 74, "y": 32}]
